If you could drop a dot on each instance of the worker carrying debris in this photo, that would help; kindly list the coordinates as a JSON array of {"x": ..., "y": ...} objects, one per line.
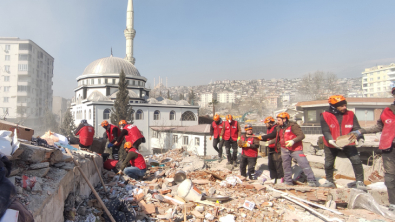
[
  {"x": 131, "y": 134},
  {"x": 338, "y": 121},
  {"x": 274, "y": 161},
  {"x": 249, "y": 152},
  {"x": 85, "y": 131},
  {"x": 113, "y": 133},
  {"x": 138, "y": 167},
  {"x": 231, "y": 134},
  {"x": 386, "y": 125},
  {"x": 215, "y": 130},
  {"x": 288, "y": 137}
]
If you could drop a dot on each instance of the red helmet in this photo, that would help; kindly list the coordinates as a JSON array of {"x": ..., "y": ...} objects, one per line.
[
  {"x": 104, "y": 123},
  {"x": 336, "y": 99},
  {"x": 229, "y": 117},
  {"x": 248, "y": 127},
  {"x": 216, "y": 117},
  {"x": 283, "y": 115},
  {"x": 269, "y": 119},
  {"x": 122, "y": 122}
]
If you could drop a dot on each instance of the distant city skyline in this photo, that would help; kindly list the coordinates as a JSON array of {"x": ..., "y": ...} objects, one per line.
[{"x": 195, "y": 42}]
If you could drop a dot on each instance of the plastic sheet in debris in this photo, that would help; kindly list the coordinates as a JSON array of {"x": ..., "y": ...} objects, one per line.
[
  {"x": 232, "y": 180},
  {"x": 8, "y": 145},
  {"x": 377, "y": 186},
  {"x": 227, "y": 218},
  {"x": 360, "y": 200}
]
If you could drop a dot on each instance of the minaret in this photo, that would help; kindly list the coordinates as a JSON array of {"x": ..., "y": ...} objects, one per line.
[{"x": 129, "y": 33}]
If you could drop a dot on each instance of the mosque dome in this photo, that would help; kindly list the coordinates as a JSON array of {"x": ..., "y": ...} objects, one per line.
[{"x": 111, "y": 65}]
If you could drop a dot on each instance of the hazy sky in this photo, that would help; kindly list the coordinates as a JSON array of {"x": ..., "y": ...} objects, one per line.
[{"x": 193, "y": 42}]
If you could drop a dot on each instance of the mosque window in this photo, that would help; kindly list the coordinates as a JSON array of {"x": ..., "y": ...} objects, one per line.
[
  {"x": 105, "y": 81},
  {"x": 106, "y": 114},
  {"x": 188, "y": 116},
  {"x": 113, "y": 81},
  {"x": 172, "y": 115},
  {"x": 92, "y": 81},
  {"x": 139, "y": 115},
  {"x": 99, "y": 81},
  {"x": 134, "y": 82},
  {"x": 156, "y": 115},
  {"x": 90, "y": 114}
]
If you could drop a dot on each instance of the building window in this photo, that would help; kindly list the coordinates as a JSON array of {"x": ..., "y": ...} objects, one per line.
[
  {"x": 105, "y": 81},
  {"x": 156, "y": 115},
  {"x": 175, "y": 139},
  {"x": 23, "y": 88},
  {"x": 365, "y": 114},
  {"x": 7, "y": 47},
  {"x": 113, "y": 81},
  {"x": 155, "y": 134},
  {"x": 134, "y": 82},
  {"x": 90, "y": 114},
  {"x": 172, "y": 115},
  {"x": 188, "y": 116},
  {"x": 6, "y": 78},
  {"x": 185, "y": 140},
  {"x": 106, "y": 114},
  {"x": 22, "y": 67},
  {"x": 6, "y": 99},
  {"x": 139, "y": 115},
  {"x": 197, "y": 141},
  {"x": 98, "y": 81},
  {"x": 7, "y": 68},
  {"x": 312, "y": 116},
  {"x": 378, "y": 78},
  {"x": 7, "y": 88},
  {"x": 371, "y": 79},
  {"x": 23, "y": 57},
  {"x": 7, "y": 57}
]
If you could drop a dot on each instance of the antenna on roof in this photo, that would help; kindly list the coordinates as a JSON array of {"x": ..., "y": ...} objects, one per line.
[{"x": 111, "y": 51}]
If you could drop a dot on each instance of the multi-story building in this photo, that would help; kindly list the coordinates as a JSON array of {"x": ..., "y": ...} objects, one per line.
[
  {"x": 207, "y": 98},
  {"x": 26, "y": 72},
  {"x": 59, "y": 107},
  {"x": 376, "y": 81},
  {"x": 226, "y": 97}
]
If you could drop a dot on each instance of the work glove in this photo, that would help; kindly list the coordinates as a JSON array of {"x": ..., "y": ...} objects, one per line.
[
  {"x": 120, "y": 172},
  {"x": 238, "y": 138},
  {"x": 242, "y": 143},
  {"x": 333, "y": 143},
  {"x": 110, "y": 145},
  {"x": 259, "y": 137},
  {"x": 359, "y": 142},
  {"x": 289, "y": 143},
  {"x": 211, "y": 137}
]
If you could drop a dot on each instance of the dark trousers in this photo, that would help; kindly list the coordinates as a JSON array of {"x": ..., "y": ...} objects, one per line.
[
  {"x": 302, "y": 161},
  {"x": 251, "y": 162},
  {"x": 219, "y": 142},
  {"x": 275, "y": 165},
  {"x": 351, "y": 152},
  {"x": 137, "y": 143},
  {"x": 115, "y": 152},
  {"x": 83, "y": 146},
  {"x": 389, "y": 176},
  {"x": 231, "y": 144}
]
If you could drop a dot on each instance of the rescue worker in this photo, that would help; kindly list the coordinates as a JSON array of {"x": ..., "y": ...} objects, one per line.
[
  {"x": 335, "y": 122},
  {"x": 215, "y": 130},
  {"x": 113, "y": 132},
  {"x": 131, "y": 134},
  {"x": 386, "y": 125},
  {"x": 231, "y": 134},
  {"x": 288, "y": 137},
  {"x": 275, "y": 162},
  {"x": 138, "y": 167},
  {"x": 249, "y": 152},
  {"x": 85, "y": 132}
]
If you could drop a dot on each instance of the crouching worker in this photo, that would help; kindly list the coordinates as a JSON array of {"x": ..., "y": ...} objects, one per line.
[
  {"x": 288, "y": 137},
  {"x": 86, "y": 133},
  {"x": 138, "y": 167},
  {"x": 249, "y": 152}
]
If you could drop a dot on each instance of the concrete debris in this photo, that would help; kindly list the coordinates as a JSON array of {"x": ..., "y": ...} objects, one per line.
[
  {"x": 38, "y": 173},
  {"x": 39, "y": 165}
]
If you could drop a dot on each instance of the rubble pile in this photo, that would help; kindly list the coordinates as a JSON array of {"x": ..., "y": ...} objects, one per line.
[{"x": 180, "y": 186}]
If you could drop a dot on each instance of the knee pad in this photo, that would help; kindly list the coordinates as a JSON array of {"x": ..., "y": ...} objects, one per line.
[
  {"x": 389, "y": 180},
  {"x": 355, "y": 160}
]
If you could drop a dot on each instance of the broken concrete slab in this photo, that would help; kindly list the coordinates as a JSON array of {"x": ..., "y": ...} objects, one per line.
[
  {"x": 38, "y": 173},
  {"x": 38, "y": 154},
  {"x": 39, "y": 165}
]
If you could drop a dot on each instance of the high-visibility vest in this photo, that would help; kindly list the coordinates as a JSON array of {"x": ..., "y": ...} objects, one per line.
[
  {"x": 346, "y": 127},
  {"x": 217, "y": 128},
  {"x": 231, "y": 130},
  {"x": 248, "y": 151},
  {"x": 86, "y": 135},
  {"x": 110, "y": 136},
  {"x": 139, "y": 162},
  {"x": 285, "y": 135},
  {"x": 133, "y": 133},
  {"x": 388, "y": 133}
]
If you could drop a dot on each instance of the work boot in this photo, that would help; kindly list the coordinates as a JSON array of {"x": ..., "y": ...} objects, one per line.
[
  {"x": 391, "y": 207},
  {"x": 235, "y": 164},
  {"x": 288, "y": 183},
  {"x": 229, "y": 163},
  {"x": 361, "y": 186},
  {"x": 252, "y": 177},
  {"x": 328, "y": 184},
  {"x": 313, "y": 183}
]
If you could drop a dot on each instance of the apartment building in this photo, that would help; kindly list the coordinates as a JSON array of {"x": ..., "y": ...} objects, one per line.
[
  {"x": 26, "y": 72},
  {"x": 376, "y": 81},
  {"x": 207, "y": 98},
  {"x": 226, "y": 97}
]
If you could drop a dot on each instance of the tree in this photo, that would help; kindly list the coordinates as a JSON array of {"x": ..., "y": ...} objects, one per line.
[
  {"x": 214, "y": 102},
  {"x": 168, "y": 94},
  {"x": 319, "y": 85},
  {"x": 67, "y": 127},
  {"x": 49, "y": 120},
  {"x": 191, "y": 97},
  {"x": 181, "y": 96},
  {"x": 122, "y": 109}
]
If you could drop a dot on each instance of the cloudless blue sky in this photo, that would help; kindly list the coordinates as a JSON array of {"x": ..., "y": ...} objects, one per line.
[{"x": 193, "y": 42}]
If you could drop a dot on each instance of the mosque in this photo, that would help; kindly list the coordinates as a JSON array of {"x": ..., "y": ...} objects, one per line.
[{"x": 98, "y": 85}]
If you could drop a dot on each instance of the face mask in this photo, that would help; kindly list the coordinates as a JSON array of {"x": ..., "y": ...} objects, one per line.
[{"x": 229, "y": 121}]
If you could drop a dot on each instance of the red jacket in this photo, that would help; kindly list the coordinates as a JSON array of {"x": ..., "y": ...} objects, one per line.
[
  {"x": 388, "y": 133},
  {"x": 133, "y": 133},
  {"x": 217, "y": 128},
  {"x": 268, "y": 131},
  {"x": 346, "y": 127},
  {"x": 139, "y": 162},
  {"x": 86, "y": 135},
  {"x": 248, "y": 151},
  {"x": 231, "y": 130},
  {"x": 110, "y": 136},
  {"x": 285, "y": 135}
]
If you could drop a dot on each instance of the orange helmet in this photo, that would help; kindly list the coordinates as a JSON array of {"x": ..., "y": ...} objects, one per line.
[
  {"x": 283, "y": 115},
  {"x": 229, "y": 117},
  {"x": 269, "y": 119},
  {"x": 336, "y": 99},
  {"x": 122, "y": 122},
  {"x": 104, "y": 123},
  {"x": 216, "y": 117},
  {"x": 127, "y": 145},
  {"x": 248, "y": 127}
]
